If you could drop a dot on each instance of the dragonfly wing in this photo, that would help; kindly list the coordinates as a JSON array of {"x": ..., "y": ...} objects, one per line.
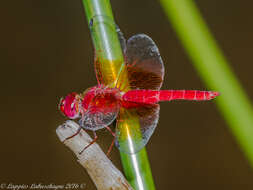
[
  {"x": 98, "y": 61},
  {"x": 122, "y": 40},
  {"x": 132, "y": 138},
  {"x": 144, "y": 63},
  {"x": 99, "y": 115}
]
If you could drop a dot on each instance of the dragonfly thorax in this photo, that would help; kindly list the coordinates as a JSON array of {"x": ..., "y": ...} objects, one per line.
[
  {"x": 101, "y": 97},
  {"x": 100, "y": 107}
]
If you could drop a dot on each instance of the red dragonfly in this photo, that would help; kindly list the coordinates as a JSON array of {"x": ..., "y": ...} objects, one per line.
[{"x": 100, "y": 105}]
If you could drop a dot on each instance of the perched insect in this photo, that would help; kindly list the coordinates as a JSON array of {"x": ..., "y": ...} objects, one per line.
[{"x": 100, "y": 105}]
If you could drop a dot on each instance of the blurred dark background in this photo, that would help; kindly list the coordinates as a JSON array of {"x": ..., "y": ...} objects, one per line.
[{"x": 46, "y": 52}]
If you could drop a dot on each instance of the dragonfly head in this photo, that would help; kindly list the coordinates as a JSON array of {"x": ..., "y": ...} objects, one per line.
[{"x": 70, "y": 105}]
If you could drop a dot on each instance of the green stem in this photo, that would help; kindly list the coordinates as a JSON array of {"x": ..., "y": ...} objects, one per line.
[
  {"x": 213, "y": 68},
  {"x": 109, "y": 63}
]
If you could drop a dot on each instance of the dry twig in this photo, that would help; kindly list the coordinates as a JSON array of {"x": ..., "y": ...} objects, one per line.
[{"x": 101, "y": 170}]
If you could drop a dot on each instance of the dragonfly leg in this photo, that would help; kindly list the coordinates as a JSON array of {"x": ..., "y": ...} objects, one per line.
[
  {"x": 92, "y": 142},
  {"x": 77, "y": 132},
  {"x": 114, "y": 137}
]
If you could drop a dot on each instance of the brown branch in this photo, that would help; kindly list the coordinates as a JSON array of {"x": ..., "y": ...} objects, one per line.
[{"x": 101, "y": 170}]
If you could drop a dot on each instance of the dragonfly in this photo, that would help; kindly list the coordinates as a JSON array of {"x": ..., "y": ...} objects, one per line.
[{"x": 136, "y": 110}]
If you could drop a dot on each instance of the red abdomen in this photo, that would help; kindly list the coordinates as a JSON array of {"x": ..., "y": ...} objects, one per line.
[{"x": 154, "y": 96}]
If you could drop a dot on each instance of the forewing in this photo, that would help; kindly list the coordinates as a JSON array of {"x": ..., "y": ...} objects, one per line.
[
  {"x": 131, "y": 138},
  {"x": 97, "y": 61},
  {"x": 97, "y": 66},
  {"x": 122, "y": 39},
  {"x": 99, "y": 114},
  {"x": 144, "y": 63}
]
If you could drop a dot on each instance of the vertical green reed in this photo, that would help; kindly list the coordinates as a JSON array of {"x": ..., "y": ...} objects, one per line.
[
  {"x": 109, "y": 63},
  {"x": 214, "y": 69}
]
